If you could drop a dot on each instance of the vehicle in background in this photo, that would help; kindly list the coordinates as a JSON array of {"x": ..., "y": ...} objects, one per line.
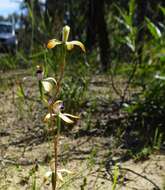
[{"x": 8, "y": 39}]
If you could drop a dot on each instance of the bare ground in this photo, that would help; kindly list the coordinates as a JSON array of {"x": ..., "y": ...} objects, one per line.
[{"x": 25, "y": 143}]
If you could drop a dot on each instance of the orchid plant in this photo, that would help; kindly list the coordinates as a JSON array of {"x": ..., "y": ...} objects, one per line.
[
  {"x": 49, "y": 90},
  {"x": 68, "y": 44}
]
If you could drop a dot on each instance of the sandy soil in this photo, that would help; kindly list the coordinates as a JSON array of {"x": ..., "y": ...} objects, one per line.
[{"x": 25, "y": 144}]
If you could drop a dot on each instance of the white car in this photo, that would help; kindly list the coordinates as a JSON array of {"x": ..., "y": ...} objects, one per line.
[{"x": 8, "y": 39}]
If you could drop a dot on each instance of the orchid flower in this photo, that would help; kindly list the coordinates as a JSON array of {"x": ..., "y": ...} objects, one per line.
[
  {"x": 69, "y": 44},
  {"x": 57, "y": 107}
]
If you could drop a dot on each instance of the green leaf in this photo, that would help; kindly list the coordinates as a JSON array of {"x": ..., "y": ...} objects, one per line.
[
  {"x": 131, "y": 7},
  {"x": 162, "y": 9},
  {"x": 161, "y": 55},
  {"x": 127, "y": 18},
  {"x": 154, "y": 30},
  {"x": 128, "y": 22},
  {"x": 21, "y": 92},
  {"x": 38, "y": 54},
  {"x": 162, "y": 58},
  {"x": 130, "y": 44}
]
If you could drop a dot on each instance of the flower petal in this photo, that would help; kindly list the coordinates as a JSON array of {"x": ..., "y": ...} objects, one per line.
[
  {"x": 65, "y": 171},
  {"x": 52, "y": 43},
  {"x": 47, "y": 86},
  {"x": 72, "y": 116},
  {"x": 48, "y": 116},
  {"x": 71, "y": 44},
  {"x": 65, "y": 33},
  {"x": 60, "y": 176},
  {"x": 57, "y": 106},
  {"x": 65, "y": 118},
  {"x": 51, "y": 79},
  {"x": 48, "y": 83},
  {"x": 47, "y": 175}
]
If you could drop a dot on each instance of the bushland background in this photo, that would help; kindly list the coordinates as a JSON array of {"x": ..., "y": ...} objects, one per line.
[{"x": 118, "y": 88}]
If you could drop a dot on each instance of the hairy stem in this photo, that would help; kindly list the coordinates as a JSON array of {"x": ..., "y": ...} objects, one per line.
[
  {"x": 56, "y": 139},
  {"x": 55, "y": 163},
  {"x": 61, "y": 72},
  {"x": 52, "y": 127}
]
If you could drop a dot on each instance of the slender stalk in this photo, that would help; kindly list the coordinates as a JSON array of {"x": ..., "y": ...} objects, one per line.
[
  {"x": 40, "y": 89},
  {"x": 56, "y": 139},
  {"x": 55, "y": 161},
  {"x": 52, "y": 127},
  {"x": 61, "y": 71}
]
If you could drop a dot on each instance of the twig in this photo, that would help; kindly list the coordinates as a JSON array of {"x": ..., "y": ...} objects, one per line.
[
  {"x": 123, "y": 94},
  {"x": 138, "y": 174},
  {"x": 129, "y": 80},
  {"x": 142, "y": 176},
  {"x": 114, "y": 87},
  {"x": 13, "y": 162}
]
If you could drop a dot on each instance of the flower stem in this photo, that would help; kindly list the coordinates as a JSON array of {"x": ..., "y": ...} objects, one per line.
[
  {"x": 61, "y": 71},
  {"x": 55, "y": 163},
  {"x": 53, "y": 178},
  {"x": 56, "y": 139}
]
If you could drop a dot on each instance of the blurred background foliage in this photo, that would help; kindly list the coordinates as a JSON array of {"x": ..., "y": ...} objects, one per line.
[{"x": 124, "y": 40}]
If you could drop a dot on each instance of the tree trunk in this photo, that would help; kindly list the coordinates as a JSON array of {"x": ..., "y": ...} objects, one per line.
[
  {"x": 102, "y": 34},
  {"x": 91, "y": 25},
  {"x": 97, "y": 31}
]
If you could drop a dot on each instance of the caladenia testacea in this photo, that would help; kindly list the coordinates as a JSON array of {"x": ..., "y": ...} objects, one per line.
[
  {"x": 68, "y": 44},
  {"x": 49, "y": 92},
  {"x": 65, "y": 45}
]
